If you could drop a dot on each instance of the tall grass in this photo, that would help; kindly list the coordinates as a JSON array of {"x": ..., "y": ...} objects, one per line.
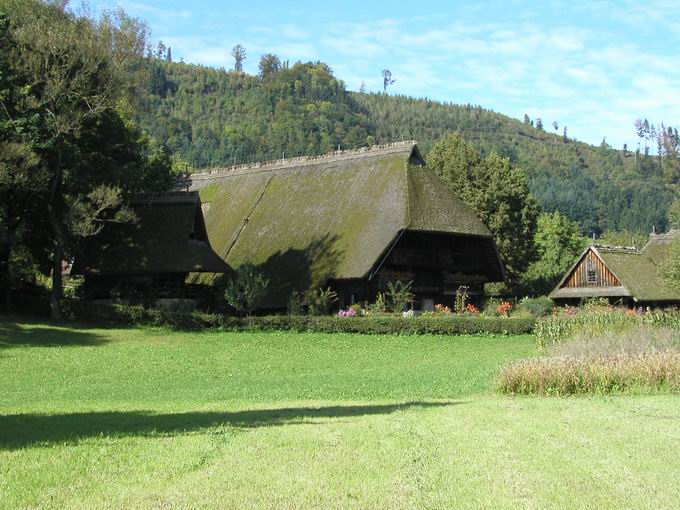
[
  {"x": 556, "y": 329},
  {"x": 644, "y": 358}
]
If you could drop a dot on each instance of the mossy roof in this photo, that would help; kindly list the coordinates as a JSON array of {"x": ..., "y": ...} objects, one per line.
[
  {"x": 329, "y": 218},
  {"x": 169, "y": 236},
  {"x": 637, "y": 270}
]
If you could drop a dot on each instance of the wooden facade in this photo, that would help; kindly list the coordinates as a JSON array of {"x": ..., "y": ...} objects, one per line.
[
  {"x": 591, "y": 272},
  {"x": 437, "y": 265}
]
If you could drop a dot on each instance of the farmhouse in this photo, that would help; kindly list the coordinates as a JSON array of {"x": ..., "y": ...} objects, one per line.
[
  {"x": 151, "y": 257},
  {"x": 625, "y": 275},
  {"x": 354, "y": 220}
]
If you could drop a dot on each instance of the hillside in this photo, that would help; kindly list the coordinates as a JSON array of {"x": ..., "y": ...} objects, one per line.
[{"x": 212, "y": 117}]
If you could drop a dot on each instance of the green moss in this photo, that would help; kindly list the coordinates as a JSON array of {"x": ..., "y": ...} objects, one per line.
[
  {"x": 209, "y": 193},
  {"x": 327, "y": 219}
]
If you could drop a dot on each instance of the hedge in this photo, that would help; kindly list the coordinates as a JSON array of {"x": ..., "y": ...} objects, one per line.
[{"x": 138, "y": 315}]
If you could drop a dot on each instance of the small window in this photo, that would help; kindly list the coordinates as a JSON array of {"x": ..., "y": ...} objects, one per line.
[{"x": 592, "y": 276}]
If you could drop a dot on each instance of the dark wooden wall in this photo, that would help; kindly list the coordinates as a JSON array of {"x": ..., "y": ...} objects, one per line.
[{"x": 591, "y": 262}]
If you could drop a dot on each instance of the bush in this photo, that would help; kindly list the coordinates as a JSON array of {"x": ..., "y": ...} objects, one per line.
[
  {"x": 399, "y": 295},
  {"x": 247, "y": 290},
  {"x": 321, "y": 301},
  {"x": 295, "y": 303},
  {"x": 386, "y": 324},
  {"x": 537, "y": 307}
]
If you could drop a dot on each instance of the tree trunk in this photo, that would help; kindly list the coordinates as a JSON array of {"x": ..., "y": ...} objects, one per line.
[
  {"x": 59, "y": 243},
  {"x": 5, "y": 255},
  {"x": 57, "y": 284}
]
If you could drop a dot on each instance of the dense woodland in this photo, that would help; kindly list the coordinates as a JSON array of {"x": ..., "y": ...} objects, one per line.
[{"x": 214, "y": 117}]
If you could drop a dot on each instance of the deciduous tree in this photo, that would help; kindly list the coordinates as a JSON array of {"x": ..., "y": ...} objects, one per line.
[{"x": 497, "y": 192}]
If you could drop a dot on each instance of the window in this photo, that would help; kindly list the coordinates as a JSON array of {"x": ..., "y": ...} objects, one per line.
[{"x": 592, "y": 276}]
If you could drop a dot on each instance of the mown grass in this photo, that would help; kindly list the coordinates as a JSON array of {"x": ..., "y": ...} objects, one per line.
[{"x": 149, "y": 418}]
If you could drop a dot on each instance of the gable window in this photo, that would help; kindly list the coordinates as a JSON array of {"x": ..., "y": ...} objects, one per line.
[{"x": 592, "y": 276}]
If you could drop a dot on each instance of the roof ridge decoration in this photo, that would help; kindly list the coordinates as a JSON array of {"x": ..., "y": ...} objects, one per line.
[
  {"x": 276, "y": 164},
  {"x": 618, "y": 249}
]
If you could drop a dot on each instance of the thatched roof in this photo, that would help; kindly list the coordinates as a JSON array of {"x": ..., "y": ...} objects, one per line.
[
  {"x": 637, "y": 270},
  {"x": 311, "y": 220},
  {"x": 169, "y": 236}
]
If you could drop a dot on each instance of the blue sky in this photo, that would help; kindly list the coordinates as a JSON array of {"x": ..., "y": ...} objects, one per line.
[{"x": 594, "y": 66}]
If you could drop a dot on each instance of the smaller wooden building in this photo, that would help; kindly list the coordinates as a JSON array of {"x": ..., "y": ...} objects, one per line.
[
  {"x": 623, "y": 275},
  {"x": 152, "y": 257}
]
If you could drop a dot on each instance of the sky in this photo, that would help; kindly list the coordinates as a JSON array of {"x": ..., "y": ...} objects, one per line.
[{"x": 593, "y": 66}]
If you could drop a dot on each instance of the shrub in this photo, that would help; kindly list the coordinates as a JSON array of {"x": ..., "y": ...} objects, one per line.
[
  {"x": 350, "y": 312},
  {"x": 461, "y": 299},
  {"x": 491, "y": 307},
  {"x": 295, "y": 303},
  {"x": 379, "y": 306},
  {"x": 321, "y": 301},
  {"x": 385, "y": 324},
  {"x": 247, "y": 290},
  {"x": 538, "y": 307},
  {"x": 399, "y": 295}
]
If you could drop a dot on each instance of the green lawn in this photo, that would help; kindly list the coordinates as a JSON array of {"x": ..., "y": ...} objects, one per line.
[{"x": 152, "y": 418}]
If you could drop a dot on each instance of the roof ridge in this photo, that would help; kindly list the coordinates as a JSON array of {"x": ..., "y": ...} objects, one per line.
[
  {"x": 613, "y": 248},
  {"x": 169, "y": 197},
  {"x": 341, "y": 155}
]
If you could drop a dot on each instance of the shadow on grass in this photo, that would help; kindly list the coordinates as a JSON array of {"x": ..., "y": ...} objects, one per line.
[
  {"x": 23, "y": 430},
  {"x": 27, "y": 332}
]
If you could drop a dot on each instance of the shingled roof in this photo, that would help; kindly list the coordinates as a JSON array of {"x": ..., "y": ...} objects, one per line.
[
  {"x": 329, "y": 217},
  {"x": 169, "y": 236},
  {"x": 637, "y": 270}
]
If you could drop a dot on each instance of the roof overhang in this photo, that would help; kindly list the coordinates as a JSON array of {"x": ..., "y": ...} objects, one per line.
[{"x": 587, "y": 292}]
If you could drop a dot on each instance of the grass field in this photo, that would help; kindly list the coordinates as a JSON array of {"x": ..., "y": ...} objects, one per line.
[{"x": 150, "y": 418}]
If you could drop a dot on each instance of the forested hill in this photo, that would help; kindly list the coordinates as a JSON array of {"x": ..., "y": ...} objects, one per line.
[{"x": 212, "y": 117}]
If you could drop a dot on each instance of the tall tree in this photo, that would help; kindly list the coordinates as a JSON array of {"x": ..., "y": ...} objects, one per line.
[
  {"x": 539, "y": 123},
  {"x": 497, "y": 192},
  {"x": 559, "y": 242},
  {"x": 239, "y": 54},
  {"x": 76, "y": 69},
  {"x": 269, "y": 64},
  {"x": 387, "y": 79}
]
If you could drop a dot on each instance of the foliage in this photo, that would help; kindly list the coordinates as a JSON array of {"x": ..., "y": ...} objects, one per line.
[
  {"x": 398, "y": 295},
  {"x": 71, "y": 74},
  {"x": 537, "y": 307},
  {"x": 461, "y": 299},
  {"x": 216, "y": 118},
  {"x": 295, "y": 303},
  {"x": 379, "y": 306},
  {"x": 247, "y": 290},
  {"x": 497, "y": 192},
  {"x": 350, "y": 312},
  {"x": 674, "y": 214},
  {"x": 376, "y": 324},
  {"x": 320, "y": 301},
  {"x": 559, "y": 243}
]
